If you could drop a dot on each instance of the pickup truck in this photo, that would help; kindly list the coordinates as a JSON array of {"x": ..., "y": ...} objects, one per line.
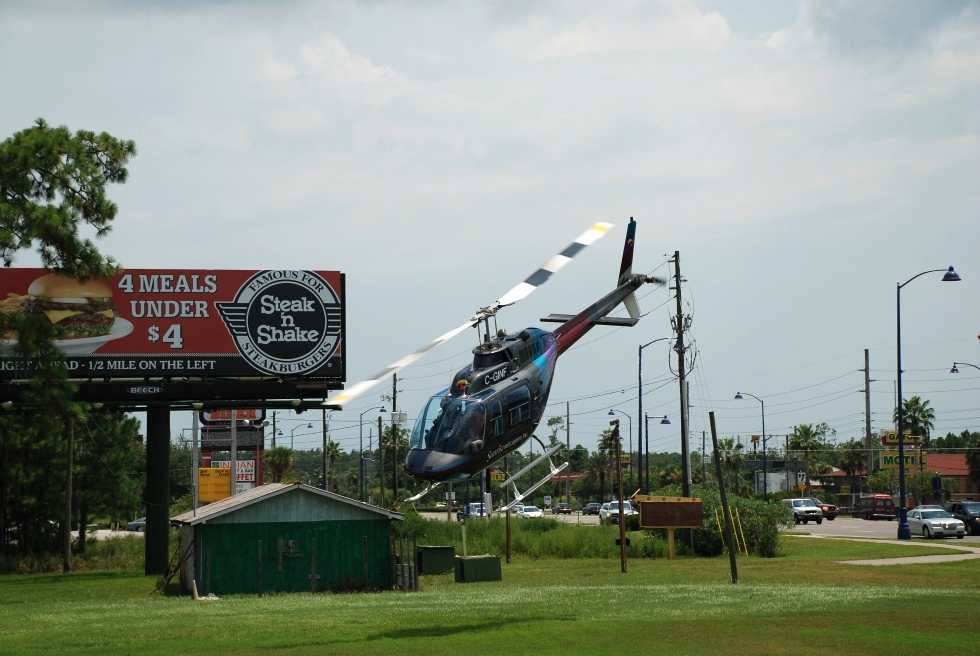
[{"x": 609, "y": 512}]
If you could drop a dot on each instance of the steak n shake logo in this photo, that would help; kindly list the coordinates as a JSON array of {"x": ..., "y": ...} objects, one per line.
[{"x": 284, "y": 322}]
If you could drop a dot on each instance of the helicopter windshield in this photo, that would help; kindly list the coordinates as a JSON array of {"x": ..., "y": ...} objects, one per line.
[{"x": 451, "y": 425}]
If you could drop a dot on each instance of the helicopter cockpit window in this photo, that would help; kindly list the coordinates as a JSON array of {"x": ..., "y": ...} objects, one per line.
[
  {"x": 485, "y": 360},
  {"x": 452, "y": 425}
]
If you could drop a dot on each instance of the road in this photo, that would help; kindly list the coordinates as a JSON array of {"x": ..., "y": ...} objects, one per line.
[
  {"x": 840, "y": 527},
  {"x": 862, "y": 528}
]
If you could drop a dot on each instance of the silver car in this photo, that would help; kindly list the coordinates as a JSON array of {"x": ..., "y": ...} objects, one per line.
[
  {"x": 804, "y": 510},
  {"x": 935, "y": 523}
]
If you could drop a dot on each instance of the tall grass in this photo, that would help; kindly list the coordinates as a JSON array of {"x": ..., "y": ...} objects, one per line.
[
  {"x": 122, "y": 552},
  {"x": 534, "y": 538}
]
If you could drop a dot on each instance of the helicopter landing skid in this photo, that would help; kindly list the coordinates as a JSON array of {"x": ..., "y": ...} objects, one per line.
[
  {"x": 512, "y": 479},
  {"x": 428, "y": 488}
]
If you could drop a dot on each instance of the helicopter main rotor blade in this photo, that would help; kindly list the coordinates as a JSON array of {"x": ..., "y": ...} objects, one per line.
[
  {"x": 541, "y": 276},
  {"x": 337, "y": 401},
  {"x": 535, "y": 280}
]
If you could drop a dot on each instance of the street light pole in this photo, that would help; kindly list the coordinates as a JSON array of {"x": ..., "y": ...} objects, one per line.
[
  {"x": 292, "y": 433},
  {"x": 765, "y": 476},
  {"x": 360, "y": 454},
  {"x": 646, "y": 421},
  {"x": 954, "y": 370},
  {"x": 904, "y": 531},
  {"x": 613, "y": 412},
  {"x": 639, "y": 412}
]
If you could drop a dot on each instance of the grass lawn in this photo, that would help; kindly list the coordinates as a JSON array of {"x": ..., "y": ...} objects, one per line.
[{"x": 802, "y": 603}]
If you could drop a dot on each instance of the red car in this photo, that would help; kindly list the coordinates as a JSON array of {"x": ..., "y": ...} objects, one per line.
[{"x": 829, "y": 510}]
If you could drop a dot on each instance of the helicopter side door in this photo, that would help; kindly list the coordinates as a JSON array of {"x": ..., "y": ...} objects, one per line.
[{"x": 517, "y": 406}]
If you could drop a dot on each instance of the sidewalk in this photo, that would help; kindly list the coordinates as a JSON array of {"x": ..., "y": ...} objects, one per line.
[{"x": 966, "y": 552}]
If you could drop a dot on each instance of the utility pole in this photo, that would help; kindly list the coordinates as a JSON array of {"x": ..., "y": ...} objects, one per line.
[
  {"x": 394, "y": 439},
  {"x": 234, "y": 451},
  {"x": 704, "y": 461},
  {"x": 568, "y": 449},
  {"x": 381, "y": 456},
  {"x": 681, "y": 378},
  {"x": 867, "y": 412},
  {"x": 273, "y": 428}
]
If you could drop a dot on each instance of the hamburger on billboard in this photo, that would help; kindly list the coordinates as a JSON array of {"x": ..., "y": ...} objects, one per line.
[
  {"x": 187, "y": 323},
  {"x": 82, "y": 309}
]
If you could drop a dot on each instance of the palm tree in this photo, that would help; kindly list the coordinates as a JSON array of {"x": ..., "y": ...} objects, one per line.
[
  {"x": 806, "y": 438},
  {"x": 395, "y": 443},
  {"x": 333, "y": 455},
  {"x": 853, "y": 458},
  {"x": 610, "y": 444},
  {"x": 731, "y": 459},
  {"x": 973, "y": 458},
  {"x": 280, "y": 461},
  {"x": 917, "y": 416},
  {"x": 596, "y": 469},
  {"x": 353, "y": 481}
]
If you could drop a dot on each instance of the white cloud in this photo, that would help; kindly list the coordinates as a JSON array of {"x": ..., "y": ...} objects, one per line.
[
  {"x": 606, "y": 29},
  {"x": 350, "y": 77}
]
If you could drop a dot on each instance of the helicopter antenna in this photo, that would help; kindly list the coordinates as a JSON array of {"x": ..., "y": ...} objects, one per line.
[{"x": 517, "y": 293}]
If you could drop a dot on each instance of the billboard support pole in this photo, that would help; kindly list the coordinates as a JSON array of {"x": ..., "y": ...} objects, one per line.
[
  {"x": 157, "y": 491},
  {"x": 234, "y": 451},
  {"x": 194, "y": 464}
]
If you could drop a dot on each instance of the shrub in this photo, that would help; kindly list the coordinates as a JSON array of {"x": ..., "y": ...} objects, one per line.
[{"x": 755, "y": 520}]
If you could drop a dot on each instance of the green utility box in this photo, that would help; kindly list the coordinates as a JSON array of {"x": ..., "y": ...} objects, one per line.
[
  {"x": 435, "y": 559},
  {"x": 471, "y": 569}
]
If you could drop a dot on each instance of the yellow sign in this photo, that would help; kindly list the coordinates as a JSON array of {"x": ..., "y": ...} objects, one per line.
[
  {"x": 889, "y": 459},
  {"x": 801, "y": 487},
  {"x": 496, "y": 476},
  {"x": 845, "y": 489},
  {"x": 890, "y": 438},
  {"x": 214, "y": 484}
]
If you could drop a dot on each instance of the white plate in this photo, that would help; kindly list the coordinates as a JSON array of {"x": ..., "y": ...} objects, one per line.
[{"x": 82, "y": 345}]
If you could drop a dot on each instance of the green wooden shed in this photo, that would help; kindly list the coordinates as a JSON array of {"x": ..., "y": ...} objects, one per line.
[{"x": 285, "y": 537}]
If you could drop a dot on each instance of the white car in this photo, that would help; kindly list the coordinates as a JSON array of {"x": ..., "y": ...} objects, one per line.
[
  {"x": 610, "y": 511},
  {"x": 530, "y": 511},
  {"x": 933, "y": 523}
]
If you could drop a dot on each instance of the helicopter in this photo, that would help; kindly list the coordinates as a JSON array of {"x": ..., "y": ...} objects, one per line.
[{"x": 494, "y": 404}]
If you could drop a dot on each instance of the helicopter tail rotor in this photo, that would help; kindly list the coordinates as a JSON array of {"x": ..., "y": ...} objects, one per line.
[{"x": 626, "y": 270}]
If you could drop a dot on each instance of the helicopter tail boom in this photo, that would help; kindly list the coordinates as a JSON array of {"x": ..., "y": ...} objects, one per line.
[{"x": 570, "y": 331}]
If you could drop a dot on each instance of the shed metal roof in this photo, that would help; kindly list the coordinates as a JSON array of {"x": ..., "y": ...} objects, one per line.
[{"x": 265, "y": 492}]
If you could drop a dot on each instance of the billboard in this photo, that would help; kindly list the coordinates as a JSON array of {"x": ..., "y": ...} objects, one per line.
[
  {"x": 148, "y": 325},
  {"x": 214, "y": 484},
  {"x": 912, "y": 458},
  {"x": 670, "y": 512},
  {"x": 890, "y": 438}
]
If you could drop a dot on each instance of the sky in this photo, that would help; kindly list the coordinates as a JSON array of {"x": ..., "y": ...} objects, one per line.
[{"x": 801, "y": 158}]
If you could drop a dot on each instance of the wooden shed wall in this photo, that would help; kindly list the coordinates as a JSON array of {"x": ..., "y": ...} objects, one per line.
[{"x": 228, "y": 561}]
